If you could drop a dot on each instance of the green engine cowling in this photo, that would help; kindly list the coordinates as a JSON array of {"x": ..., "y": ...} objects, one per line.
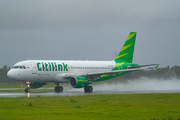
[
  {"x": 35, "y": 85},
  {"x": 79, "y": 81}
]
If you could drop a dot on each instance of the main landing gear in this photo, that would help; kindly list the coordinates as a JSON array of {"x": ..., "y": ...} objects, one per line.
[
  {"x": 88, "y": 89},
  {"x": 58, "y": 88}
]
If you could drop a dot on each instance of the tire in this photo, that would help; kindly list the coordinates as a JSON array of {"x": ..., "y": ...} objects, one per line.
[
  {"x": 90, "y": 88},
  {"x": 56, "y": 89},
  {"x": 27, "y": 90},
  {"x": 86, "y": 89},
  {"x": 60, "y": 88}
]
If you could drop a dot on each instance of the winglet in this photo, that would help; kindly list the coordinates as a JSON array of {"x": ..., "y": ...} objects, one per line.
[{"x": 157, "y": 67}]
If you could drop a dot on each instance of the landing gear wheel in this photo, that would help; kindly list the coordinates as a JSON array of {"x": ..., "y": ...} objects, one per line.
[
  {"x": 88, "y": 89},
  {"x": 58, "y": 89},
  {"x": 27, "y": 90}
]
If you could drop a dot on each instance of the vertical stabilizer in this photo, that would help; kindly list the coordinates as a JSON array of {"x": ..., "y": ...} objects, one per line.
[{"x": 126, "y": 53}]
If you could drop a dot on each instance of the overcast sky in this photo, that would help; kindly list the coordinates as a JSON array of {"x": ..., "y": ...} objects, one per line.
[{"x": 89, "y": 29}]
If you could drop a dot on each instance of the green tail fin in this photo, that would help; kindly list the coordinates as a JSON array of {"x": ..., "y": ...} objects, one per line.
[{"x": 126, "y": 53}]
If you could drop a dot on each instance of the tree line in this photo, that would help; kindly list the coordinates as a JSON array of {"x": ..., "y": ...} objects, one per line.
[
  {"x": 3, "y": 76},
  {"x": 161, "y": 73}
]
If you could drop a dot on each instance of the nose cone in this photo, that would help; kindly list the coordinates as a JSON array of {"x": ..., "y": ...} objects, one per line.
[{"x": 10, "y": 74}]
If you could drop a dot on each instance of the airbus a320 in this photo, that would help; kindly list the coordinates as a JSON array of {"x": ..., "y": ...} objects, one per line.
[{"x": 79, "y": 74}]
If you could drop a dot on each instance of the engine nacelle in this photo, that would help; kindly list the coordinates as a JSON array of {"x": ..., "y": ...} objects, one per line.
[
  {"x": 34, "y": 85},
  {"x": 79, "y": 81}
]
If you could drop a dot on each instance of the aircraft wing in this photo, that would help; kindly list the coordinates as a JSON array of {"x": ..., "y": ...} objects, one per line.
[
  {"x": 144, "y": 67},
  {"x": 130, "y": 67},
  {"x": 115, "y": 71},
  {"x": 95, "y": 75},
  {"x": 103, "y": 73}
]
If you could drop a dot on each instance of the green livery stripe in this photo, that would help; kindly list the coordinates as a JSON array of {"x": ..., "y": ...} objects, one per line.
[
  {"x": 131, "y": 35},
  {"x": 119, "y": 56},
  {"x": 125, "y": 47}
]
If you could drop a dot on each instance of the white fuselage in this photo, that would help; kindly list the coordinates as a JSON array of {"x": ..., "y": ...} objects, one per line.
[{"x": 54, "y": 70}]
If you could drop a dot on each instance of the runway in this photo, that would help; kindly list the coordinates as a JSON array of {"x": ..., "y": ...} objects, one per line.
[
  {"x": 129, "y": 87},
  {"x": 80, "y": 93}
]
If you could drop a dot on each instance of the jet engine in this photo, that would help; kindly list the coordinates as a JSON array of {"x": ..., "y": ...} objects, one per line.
[{"x": 79, "y": 81}]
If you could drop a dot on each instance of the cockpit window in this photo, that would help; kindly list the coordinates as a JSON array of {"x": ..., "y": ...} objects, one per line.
[
  {"x": 19, "y": 67},
  {"x": 15, "y": 67}
]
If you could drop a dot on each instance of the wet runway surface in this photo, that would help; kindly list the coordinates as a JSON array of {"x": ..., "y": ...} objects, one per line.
[
  {"x": 128, "y": 87},
  {"x": 80, "y": 93}
]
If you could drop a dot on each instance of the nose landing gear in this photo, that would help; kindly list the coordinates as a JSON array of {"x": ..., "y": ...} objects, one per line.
[
  {"x": 28, "y": 85},
  {"x": 27, "y": 90}
]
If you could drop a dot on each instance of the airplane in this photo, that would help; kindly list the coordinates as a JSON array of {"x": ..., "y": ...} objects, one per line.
[{"x": 79, "y": 74}]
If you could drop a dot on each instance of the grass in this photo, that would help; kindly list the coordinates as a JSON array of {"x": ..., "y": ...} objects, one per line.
[
  {"x": 121, "y": 106},
  {"x": 10, "y": 85}
]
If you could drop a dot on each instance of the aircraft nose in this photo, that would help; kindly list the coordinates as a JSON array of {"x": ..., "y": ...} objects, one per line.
[{"x": 10, "y": 74}]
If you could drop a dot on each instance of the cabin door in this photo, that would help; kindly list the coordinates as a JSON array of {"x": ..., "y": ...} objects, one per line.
[{"x": 34, "y": 70}]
